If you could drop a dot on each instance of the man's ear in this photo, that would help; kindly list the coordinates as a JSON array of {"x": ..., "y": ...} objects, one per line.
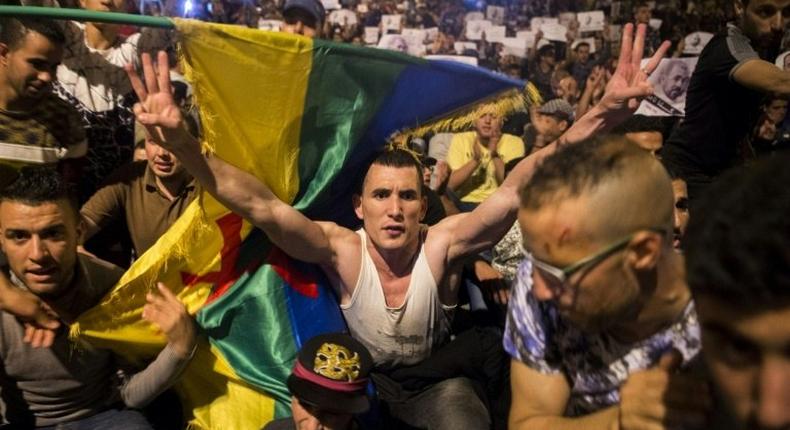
[
  {"x": 356, "y": 199},
  {"x": 563, "y": 125},
  {"x": 644, "y": 250},
  {"x": 4, "y": 50}
]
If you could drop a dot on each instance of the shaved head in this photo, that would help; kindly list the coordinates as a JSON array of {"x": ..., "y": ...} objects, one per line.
[{"x": 619, "y": 188}]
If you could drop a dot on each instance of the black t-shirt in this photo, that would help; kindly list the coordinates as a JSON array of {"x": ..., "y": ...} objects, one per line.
[
  {"x": 719, "y": 111},
  {"x": 435, "y": 212}
]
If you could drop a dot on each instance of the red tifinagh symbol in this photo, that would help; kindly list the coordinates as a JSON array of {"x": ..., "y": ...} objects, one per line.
[
  {"x": 230, "y": 226},
  {"x": 301, "y": 282}
]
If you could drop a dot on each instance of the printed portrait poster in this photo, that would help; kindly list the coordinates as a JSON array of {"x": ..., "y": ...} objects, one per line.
[
  {"x": 475, "y": 29},
  {"x": 269, "y": 24},
  {"x": 670, "y": 83},
  {"x": 342, "y": 17},
  {"x": 536, "y": 23},
  {"x": 695, "y": 42},
  {"x": 555, "y": 32},
  {"x": 394, "y": 42},
  {"x": 515, "y": 46},
  {"x": 472, "y": 61},
  {"x": 414, "y": 36},
  {"x": 460, "y": 47},
  {"x": 495, "y": 14},
  {"x": 474, "y": 16},
  {"x": 528, "y": 36},
  {"x": 566, "y": 18},
  {"x": 496, "y": 33},
  {"x": 391, "y": 23},
  {"x": 591, "y": 21},
  {"x": 371, "y": 35},
  {"x": 331, "y": 4},
  {"x": 783, "y": 61}
]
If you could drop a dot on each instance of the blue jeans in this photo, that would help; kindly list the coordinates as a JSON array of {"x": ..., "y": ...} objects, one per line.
[{"x": 113, "y": 419}]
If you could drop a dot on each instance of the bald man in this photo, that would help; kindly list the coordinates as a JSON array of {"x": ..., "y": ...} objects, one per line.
[{"x": 601, "y": 319}]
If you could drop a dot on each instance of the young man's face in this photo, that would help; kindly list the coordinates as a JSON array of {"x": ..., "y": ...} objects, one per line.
[
  {"x": 162, "y": 162},
  {"x": 597, "y": 295},
  {"x": 583, "y": 53},
  {"x": 681, "y": 194},
  {"x": 642, "y": 15},
  {"x": 748, "y": 354},
  {"x": 549, "y": 126},
  {"x": 40, "y": 243},
  {"x": 391, "y": 206},
  {"x": 764, "y": 21},
  {"x": 30, "y": 68},
  {"x": 307, "y": 417},
  {"x": 298, "y": 21},
  {"x": 488, "y": 125},
  {"x": 776, "y": 110}
]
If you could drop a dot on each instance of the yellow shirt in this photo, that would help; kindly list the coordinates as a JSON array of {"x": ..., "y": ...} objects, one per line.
[{"x": 482, "y": 183}]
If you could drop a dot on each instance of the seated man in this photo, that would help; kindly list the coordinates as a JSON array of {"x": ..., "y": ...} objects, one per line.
[
  {"x": 149, "y": 195},
  {"x": 477, "y": 160},
  {"x": 600, "y": 315},
  {"x": 738, "y": 262},
  {"x": 328, "y": 385},
  {"x": 55, "y": 385},
  {"x": 390, "y": 275}
]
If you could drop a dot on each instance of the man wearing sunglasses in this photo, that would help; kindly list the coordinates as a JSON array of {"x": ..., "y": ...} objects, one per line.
[{"x": 600, "y": 316}]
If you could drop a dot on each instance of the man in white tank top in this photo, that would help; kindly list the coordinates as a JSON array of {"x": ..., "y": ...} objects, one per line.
[{"x": 389, "y": 276}]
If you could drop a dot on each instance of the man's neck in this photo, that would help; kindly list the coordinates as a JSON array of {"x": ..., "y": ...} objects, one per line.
[
  {"x": 395, "y": 263},
  {"x": 663, "y": 306},
  {"x": 172, "y": 187},
  {"x": 100, "y": 38}
]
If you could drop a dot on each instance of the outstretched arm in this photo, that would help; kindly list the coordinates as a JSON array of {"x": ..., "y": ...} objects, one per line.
[
  {"x": 484, "y": 226},
  {"x": 239, "y": 191}
]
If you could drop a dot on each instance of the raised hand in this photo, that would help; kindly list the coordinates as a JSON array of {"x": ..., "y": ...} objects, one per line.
[
  {"x": 157, "y": 110},
  {"x": 628, "y": 85},
  {"x": 171, "y": 317}
]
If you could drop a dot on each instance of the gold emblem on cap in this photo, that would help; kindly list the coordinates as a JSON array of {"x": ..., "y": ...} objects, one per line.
[{"x": 336, "y": 362}]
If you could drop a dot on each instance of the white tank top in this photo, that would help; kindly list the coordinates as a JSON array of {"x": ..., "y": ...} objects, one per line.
[{"x": 399, "y": 336}]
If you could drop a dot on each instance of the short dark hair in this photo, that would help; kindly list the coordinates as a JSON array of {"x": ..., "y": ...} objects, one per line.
[
  {"x": 544, "y": 50},
  {"x": 37, "y": 185},
  {"x": 395, "y": 157},
  {"x": 14, "y": 30},
  {"x": 579, "y": 45},
  {"x": 576, "y": 169},
  {"x": 737, "y": 246}
]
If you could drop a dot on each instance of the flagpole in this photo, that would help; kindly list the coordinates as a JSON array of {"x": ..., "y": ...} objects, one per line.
[{"x": 86, "y": 15}]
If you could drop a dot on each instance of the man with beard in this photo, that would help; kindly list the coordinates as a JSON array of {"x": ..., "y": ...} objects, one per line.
[
  {"x": 673, "y": 81},
  {"x": 738, "y": 262},
  {"x": 600, "y": 317},
  {"x": 728, "y": 84}
]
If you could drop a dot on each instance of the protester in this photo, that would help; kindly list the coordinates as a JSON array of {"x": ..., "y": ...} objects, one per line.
[
  {"x": 739, "y": 272},
  {"x": 54, "y": 385}
]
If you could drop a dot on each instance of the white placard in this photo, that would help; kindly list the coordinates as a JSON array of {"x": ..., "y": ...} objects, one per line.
[
  {"x": 474, "y": 16},
  {"x": 495, "y": 14},
  {"x": 371, "y": 35},
  {"x": 528, "y": 36},
  {"x": 362, "y": 8},
  {"x": 331, "y": 4},
  {"x": 515, "y": 46},
  {"x": 590, "y": 41},
  {"x": 535, "y": 23},
  {"x": 456, "y": 58},
  {"x": 414, "y": 36},
  {"x": 695, "y": 42},
  {"x": 269, "y": 24},
  {"x": 670, "y": 82},
  {"x": 394, "y": 42},
  {"x": 555, "y": 32},
  {"x": 460, "y": 47},
  {"x": 391, "y": 22},
  {"x": 433, "y": 33},
  {"x": 566, "y": 18},
  {"x": 496, "y": 33},
  {"x": 342, "y": 17},
  {"x": 655, "y": 23},
  {"x": 591, "y": 21},
  {"x": 475, "y": 29},
  {"x": 783, "y": 61}
]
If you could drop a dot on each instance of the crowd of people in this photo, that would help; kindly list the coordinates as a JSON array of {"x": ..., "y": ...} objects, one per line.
[{"x": 615, "y": 255}]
